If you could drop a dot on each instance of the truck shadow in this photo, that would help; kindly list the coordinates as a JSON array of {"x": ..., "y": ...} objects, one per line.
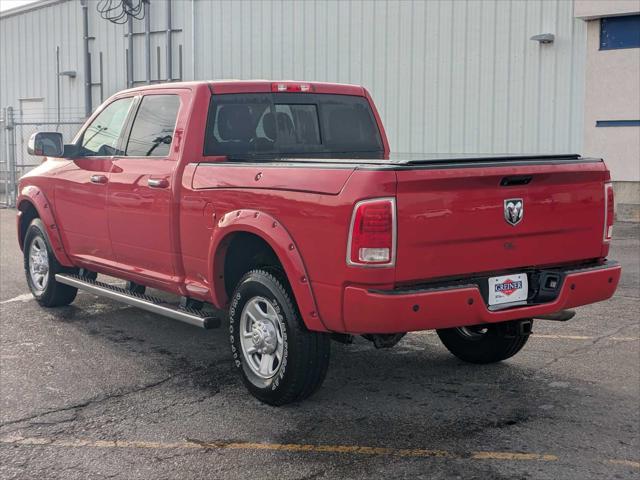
[{"x": 415, "y": 395}]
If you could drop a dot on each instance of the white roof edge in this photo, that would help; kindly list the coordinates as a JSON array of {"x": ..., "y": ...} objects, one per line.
[
  {"x": 38, "y": 4},
  {"x": 605, "y": 15}
]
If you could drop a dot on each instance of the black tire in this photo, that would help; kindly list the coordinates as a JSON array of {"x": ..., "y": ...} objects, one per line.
[
  {"x": 49, "y": 293},
  {"x": 485, "y": 343},
  {"x": 304, "y": 354}
]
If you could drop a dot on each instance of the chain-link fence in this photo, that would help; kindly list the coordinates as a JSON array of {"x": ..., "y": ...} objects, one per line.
[{"x": 16, "y": 127}]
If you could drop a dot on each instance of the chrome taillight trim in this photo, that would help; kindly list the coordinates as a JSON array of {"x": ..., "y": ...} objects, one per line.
[
  {"x": 607, "y": 186},
  {"x": 394, "y": 233}
]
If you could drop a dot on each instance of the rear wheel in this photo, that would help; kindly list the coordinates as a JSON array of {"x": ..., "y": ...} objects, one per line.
[
  {"x": 41, "y": 266},
  {"x": 486, "y": 343},
  {"x": 279, "y": 359}
]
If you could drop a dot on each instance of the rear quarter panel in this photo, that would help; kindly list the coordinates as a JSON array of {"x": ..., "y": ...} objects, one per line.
[{"x": 314, "y": 205}]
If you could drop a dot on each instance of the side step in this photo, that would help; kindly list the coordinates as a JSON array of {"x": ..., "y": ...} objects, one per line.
[{"x": 145, "y": 302}]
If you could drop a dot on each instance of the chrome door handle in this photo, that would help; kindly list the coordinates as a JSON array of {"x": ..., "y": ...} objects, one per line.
[
  {"x": 99, "y": 179},
  {"x": 158, "y": 182}
]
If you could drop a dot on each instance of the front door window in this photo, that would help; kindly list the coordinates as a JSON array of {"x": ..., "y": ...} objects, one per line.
[{"x": 102, "y": 136}]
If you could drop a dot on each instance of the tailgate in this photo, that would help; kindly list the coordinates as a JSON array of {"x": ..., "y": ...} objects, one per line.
[{"x": 451, "y": 221}]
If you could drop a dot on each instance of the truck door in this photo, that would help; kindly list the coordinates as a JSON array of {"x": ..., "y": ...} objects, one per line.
[
  {"x": 81, "y": 186},
  {"x": 141, "y": 202}
]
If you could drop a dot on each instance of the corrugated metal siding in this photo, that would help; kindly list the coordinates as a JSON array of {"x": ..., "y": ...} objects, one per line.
[
  {"x": 447, "y": 76},
  {"x": 28, "y": 44}
]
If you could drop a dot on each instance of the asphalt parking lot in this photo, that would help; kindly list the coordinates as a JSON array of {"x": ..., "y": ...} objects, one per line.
[{"x": 102, "y": 390}]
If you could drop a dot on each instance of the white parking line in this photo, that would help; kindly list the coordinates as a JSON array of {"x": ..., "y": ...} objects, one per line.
[
  {"x": 25, "y": 297},
  {"x": 584, "y": 337},
  {"x": 561, "y": 337}
]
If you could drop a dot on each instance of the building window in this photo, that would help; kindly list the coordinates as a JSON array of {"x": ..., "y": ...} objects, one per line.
[
  {"x": 617, "y": 123},
  {"x": 620, "y": 32}
]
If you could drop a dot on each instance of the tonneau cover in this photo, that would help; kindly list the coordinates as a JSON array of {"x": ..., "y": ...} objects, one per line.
[{"x": 424, "y": 160}]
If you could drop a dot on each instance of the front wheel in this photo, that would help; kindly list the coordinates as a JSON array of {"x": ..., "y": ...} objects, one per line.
[
  {"x": 41, "y": 266},
  {"x": 486, "y": 343},
  {"x": 279, "y": 359}
]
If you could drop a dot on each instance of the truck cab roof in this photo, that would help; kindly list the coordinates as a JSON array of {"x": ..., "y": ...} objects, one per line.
[{"x": 259, "y": 86}]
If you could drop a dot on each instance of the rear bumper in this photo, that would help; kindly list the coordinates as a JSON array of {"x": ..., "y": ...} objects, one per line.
[{"x": 366, "y": 311}]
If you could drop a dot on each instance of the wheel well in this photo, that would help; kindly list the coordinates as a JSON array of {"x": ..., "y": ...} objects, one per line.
[
  {"x": 29, "y": 212},
  {"x": 246, "y": 252}
]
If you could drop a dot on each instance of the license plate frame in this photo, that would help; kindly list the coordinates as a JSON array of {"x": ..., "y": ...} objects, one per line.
[{"x": 508, "y": 290}]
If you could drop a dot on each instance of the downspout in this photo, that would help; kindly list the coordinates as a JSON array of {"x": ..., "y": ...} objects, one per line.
[
  {"x": 193, "y": 39},
  {"x": 147, "y": 40},
  {"x": 169, "y": 45},
  {"x": 58, "y": 86},
  {"x": 130, "y": 78},
  {"x": 88, "y": 107}
]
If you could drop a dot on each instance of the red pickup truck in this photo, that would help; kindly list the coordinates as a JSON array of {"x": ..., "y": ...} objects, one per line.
[{"x": 280, "y": 203}]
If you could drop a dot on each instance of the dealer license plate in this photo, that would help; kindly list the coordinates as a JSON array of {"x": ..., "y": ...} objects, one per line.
[{"x": 508, "y": 289}]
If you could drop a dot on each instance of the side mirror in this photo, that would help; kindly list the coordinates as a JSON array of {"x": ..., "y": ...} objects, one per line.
[{"x": 47, "y": 144}]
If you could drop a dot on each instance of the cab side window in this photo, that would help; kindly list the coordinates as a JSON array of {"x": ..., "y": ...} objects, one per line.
[
  {"x": 152, "y": 131},
  {"x": 102, "y": 135}
]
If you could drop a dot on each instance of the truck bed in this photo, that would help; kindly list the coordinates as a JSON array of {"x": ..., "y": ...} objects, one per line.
[{"x": 451, "y": 207}]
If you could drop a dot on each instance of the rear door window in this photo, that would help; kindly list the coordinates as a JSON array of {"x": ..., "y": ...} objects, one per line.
[
  {"x": 152, "y": 131},
  {"x": 290, "y": 124}
]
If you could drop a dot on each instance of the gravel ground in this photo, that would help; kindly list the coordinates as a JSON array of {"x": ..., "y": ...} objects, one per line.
[{"x": 102, "y": 390}]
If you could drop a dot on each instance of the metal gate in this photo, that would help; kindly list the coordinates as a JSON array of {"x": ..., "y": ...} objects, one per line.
[{"x": 16, "y": 127}]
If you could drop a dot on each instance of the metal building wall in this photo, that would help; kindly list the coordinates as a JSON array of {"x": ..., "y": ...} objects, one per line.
[
  {"x": 448, "y": 76},
  {"x": 28, "y": 44}
]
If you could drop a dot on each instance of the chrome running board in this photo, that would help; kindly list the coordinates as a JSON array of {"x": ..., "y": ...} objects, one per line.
[{"x": 145, "y": 302}]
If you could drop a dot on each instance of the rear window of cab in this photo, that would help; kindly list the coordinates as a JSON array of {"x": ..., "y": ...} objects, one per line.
[{"x": 287, "y": 124}]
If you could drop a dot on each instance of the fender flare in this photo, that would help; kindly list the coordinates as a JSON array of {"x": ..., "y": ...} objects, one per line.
[
  {"x": 36, "y": 197},
  {"x": 278, "y": 238}
]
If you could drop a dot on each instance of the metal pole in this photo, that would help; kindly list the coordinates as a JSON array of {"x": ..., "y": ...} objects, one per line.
[
  {"x": 158, "y": 63},
  {"x": 101, "y": 81},
  {"x": 147, "y": 40},
  {"x": 11, "y": 158},
  {"x": 169, "y": 44},
  {"x": 4, "y": 141},
  {"x": 58, "y": 84},
  {"x": 88, "y": 107},
  {"x": 193, "y": 40},
  {"x": 130, "y": 76}
]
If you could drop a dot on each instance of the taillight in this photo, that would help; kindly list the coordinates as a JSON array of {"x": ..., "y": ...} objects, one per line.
[
  {"x": 608, "y": 211},
  {"x": 372, "y": 235},
  {"x": 291, "y": 87}
]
